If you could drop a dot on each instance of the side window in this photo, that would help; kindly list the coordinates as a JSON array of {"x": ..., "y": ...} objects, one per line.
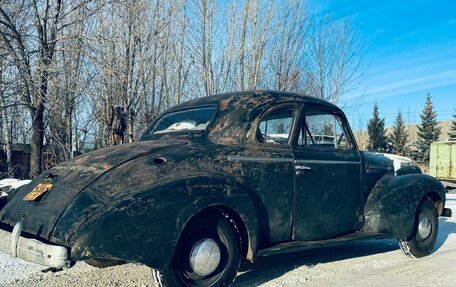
[
  {"x": 275, "y": 128},
  {"x": 323, "y": 131}
]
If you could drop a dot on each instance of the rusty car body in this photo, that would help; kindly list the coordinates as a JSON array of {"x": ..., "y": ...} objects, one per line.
[{"x": 219, "y": 179}]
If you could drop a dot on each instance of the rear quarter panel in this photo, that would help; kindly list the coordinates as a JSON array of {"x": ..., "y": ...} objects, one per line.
[{"x": 145, "y": 227}]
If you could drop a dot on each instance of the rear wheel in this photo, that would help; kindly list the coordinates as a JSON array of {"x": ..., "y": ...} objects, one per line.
[
  {"x": 425, "y": 231},
  {"x": 207, "y": 255}
]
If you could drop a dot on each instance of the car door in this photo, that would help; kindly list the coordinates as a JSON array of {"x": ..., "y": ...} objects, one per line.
[
  {"x": 327, "y": 176},
  {"x": 268, "y": 171}
]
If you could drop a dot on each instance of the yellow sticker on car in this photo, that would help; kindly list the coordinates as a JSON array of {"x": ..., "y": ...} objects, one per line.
[{"x": 38, "y": 191}]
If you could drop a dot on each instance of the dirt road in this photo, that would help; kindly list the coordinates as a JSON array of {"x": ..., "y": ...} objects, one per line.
[{"x": 369, "y": 263}]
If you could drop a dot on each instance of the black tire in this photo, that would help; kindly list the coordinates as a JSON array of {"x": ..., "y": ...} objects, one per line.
[
  {"x": 219, "y": 229},
  {"x": 419, "y": 245}
]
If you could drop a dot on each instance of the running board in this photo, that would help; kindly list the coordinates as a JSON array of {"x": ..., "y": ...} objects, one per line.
[{"x": 305, "y": 245}]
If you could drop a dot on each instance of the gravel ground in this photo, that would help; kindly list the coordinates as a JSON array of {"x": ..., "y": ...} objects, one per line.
[{"x": 368, "y": 263}]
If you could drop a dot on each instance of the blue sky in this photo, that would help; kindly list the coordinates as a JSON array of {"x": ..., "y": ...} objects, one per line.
[{"x": 410, "y": 51}]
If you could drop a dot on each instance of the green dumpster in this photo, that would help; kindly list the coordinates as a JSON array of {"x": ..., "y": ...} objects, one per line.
[{"x": 442, "y": 164}]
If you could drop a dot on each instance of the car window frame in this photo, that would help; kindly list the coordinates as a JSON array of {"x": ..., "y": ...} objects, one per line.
[
  {"x": 340, "y": 118},
  {"x": 147, "y": 133},
  {"x": 296, "y": 115}
]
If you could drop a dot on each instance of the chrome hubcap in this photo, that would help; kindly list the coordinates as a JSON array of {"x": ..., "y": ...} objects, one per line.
[
  {"x": 205, "y": 257},
  {"x": 424, "y": 226}
]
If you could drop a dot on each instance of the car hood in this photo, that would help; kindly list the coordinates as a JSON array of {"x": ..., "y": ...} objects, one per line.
[
  {"x": 378, "y": 163},
  {"x": 68, "y": 179}
]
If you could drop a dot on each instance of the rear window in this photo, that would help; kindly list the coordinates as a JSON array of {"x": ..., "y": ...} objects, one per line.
[{"x": 191, "y": 120}]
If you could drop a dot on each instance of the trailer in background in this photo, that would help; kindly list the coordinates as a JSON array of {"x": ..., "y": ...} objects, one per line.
[{"x": 442, "y": 163}]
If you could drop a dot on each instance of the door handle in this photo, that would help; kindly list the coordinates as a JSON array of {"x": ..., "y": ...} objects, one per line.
[{"x": 301, "y": 168}]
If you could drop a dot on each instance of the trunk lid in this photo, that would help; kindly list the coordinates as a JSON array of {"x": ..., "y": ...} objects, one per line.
[{"x": 68, "y": 180}]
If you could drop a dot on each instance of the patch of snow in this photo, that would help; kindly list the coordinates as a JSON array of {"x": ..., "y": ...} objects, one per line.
[{"x": 13, "y": 183}]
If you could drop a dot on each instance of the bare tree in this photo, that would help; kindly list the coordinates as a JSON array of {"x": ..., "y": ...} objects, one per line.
[
  {"x": 96, "y": 72},
  {"x": 35, "y": 71},
  {"x": 132, "y": 56},
  {"x": 259, "y": 45},
  {"x": 287, "y": 58},
  {"x": 68, "y": 86},
  {"x": 5, "y": 122},
  {"x": 334, "y": 59}
]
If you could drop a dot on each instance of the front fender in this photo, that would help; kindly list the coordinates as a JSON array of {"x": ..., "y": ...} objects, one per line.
[
  {"x": 145, "y": 227},
  {"x": 392, "y": 203}
]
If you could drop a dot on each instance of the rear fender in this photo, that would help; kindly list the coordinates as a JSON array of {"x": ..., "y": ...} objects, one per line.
[
  {"x": 392, "y": 203},
  {"x": 145, "y": 228}
]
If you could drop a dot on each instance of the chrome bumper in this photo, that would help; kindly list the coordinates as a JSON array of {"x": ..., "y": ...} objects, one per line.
[{"x": 33, "y": 250}]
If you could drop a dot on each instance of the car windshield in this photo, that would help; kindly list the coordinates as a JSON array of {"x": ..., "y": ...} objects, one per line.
[{"x": 196, "y": 119}]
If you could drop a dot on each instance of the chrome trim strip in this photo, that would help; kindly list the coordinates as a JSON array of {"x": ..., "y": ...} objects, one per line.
[
  {"x": 259, "y": 159},
  {"x": 286, "y": 159},
  {"x": 300, "y": 161}
]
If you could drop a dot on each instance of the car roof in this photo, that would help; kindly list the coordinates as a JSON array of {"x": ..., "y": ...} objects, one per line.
[
  {"x": 238, "y": 111},
  {"x": 246, "y": 97}
]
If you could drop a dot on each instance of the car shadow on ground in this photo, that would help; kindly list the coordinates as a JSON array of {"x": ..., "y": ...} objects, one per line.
[
  {"x": 269, "y": 268},
  {"x": 446, "y": 227}
]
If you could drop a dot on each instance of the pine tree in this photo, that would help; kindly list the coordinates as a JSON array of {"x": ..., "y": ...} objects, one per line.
[
  {"x": 377, "y": 133},
  {"x": 453, "y": 128},
  {"x": 399, "y": 136},
  {"x": 428, "y": 131}
]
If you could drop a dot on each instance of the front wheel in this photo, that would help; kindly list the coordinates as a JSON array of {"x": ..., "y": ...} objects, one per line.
[
  {"x": 207, "y": 255},
  {"x": 425, "y": 231}
]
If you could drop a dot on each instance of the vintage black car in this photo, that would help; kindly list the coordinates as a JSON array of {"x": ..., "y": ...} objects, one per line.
[{"x": 216, "y": 180}]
